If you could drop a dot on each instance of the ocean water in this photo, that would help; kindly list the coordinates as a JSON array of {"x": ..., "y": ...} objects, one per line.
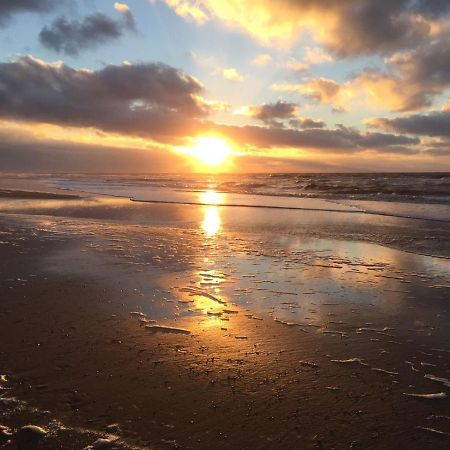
[
  {"x": 403, "y": 187},
  {"x": 418, "y": 195}
]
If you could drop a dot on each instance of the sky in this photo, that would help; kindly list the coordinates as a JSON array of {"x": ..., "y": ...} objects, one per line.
[{"x": 224, "y": 86}]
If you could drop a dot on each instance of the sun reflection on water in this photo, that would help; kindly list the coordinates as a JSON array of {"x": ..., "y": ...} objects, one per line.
[{"x": 211, "y": 197}]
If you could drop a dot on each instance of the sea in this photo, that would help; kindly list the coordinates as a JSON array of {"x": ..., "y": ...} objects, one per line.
[{"x": 410, "y": 195}]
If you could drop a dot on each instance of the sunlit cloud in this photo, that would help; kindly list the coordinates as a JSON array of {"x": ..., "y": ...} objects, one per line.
[
  {"x": 158, "y": 108},
  {"x": 390, "y": 92},
  {"x": 188, "y": 10},
  {"x": 322, "y": 90},
  {"x": 316, "y": 55},
  {"x": 297, "y": 66},
  {"x": 261, "y": 60},
  {"x": 346, "y": 27},
  {"x": 125, "y": 10},
  {"x": 231, "y": 74},
  {"x": 413, "y": 78}
]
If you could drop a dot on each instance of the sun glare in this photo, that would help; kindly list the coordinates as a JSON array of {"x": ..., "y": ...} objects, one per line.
[{"x": 210, "y": 151}]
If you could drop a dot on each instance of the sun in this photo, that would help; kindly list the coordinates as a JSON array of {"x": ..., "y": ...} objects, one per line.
[{"x": 210, "y": 150}]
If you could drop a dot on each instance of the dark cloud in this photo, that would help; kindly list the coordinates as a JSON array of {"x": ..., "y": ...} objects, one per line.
[
  {"x": 372, "y": 26},
  {"x": 44, "y": 156},
  {"x": 305, "y": 123},
  {"x": 144, "y": 99},
  {"x": 340, "y": 139},
  {"x": 283, "y": 114},
  {"x": 71, "y": 37},
  {"x": 439, "y": 152},
  {"x": 435, "y": 124},
  {"x": 10, "y": 7},
  {"x": 428, "y": 63},
  {"x": 368, "y": 26},
  {"x": 274, "y": 113},
  {"x": 435, "y": 8}
]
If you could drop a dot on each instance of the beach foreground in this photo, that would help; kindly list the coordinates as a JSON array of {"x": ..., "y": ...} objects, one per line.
[{"x": 199, "y": 327}]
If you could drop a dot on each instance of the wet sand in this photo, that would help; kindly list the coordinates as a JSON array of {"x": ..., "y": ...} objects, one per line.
[{"x": 196, "y": 327}]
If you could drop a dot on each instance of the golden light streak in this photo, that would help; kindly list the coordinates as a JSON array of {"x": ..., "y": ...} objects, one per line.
[{"x": 211, "y": 222}]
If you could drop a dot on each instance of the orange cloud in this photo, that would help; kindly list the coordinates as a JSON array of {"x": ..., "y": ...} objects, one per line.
[
  {"x": 348, "y": 27},
  {"x": 322, "y": 90},
  {"x": 391, "y": 92}
]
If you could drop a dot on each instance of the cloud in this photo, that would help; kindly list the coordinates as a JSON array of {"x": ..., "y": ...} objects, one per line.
[
  {"x": 143, "y": 99},
  {"x": 188, "y": 10},
  {"x": 321, "y": 90},
  {"x": 157, "y": 102},
  {"x": 72, "y": 36},
  {"x": 389, "y": 91},
  {"x": 313, "y": 56},
  {"x": 437, "y": 146},
  {"x": 341, "y": 139},
  {"x": 435, "y": 123},
  {"x": 439, "y": 152},
  {"x": 272, "y": 113},
  {"x": 306, "y": 123},
  {"x": 279, "y": 114},
  {"x": 232, "y": 74},
  {"x": 124, "y": 9},
  {"x": 22, "y": 155},
  {"x": 262, "y": 60},
  {"x": 346, "y": 27},
  {"x": 316, "y": 55},
  {"x": 10, "y": 7},
  {"x": 413, "y": 79},
  {"x": 297, "y": 66}
]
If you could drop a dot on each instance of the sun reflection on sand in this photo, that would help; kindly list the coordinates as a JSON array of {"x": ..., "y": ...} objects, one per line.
[
  {"x": 204, "y": 296},
  {"x": 211, "y": 222}
]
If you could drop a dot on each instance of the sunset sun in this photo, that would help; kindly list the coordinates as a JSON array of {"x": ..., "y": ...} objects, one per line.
[{"x": 210, "y": 151}]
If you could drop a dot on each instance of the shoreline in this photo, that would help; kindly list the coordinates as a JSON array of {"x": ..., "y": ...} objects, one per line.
[
  {"x": 289, "y": 208},
  {"x": 361, "y": 226}
]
